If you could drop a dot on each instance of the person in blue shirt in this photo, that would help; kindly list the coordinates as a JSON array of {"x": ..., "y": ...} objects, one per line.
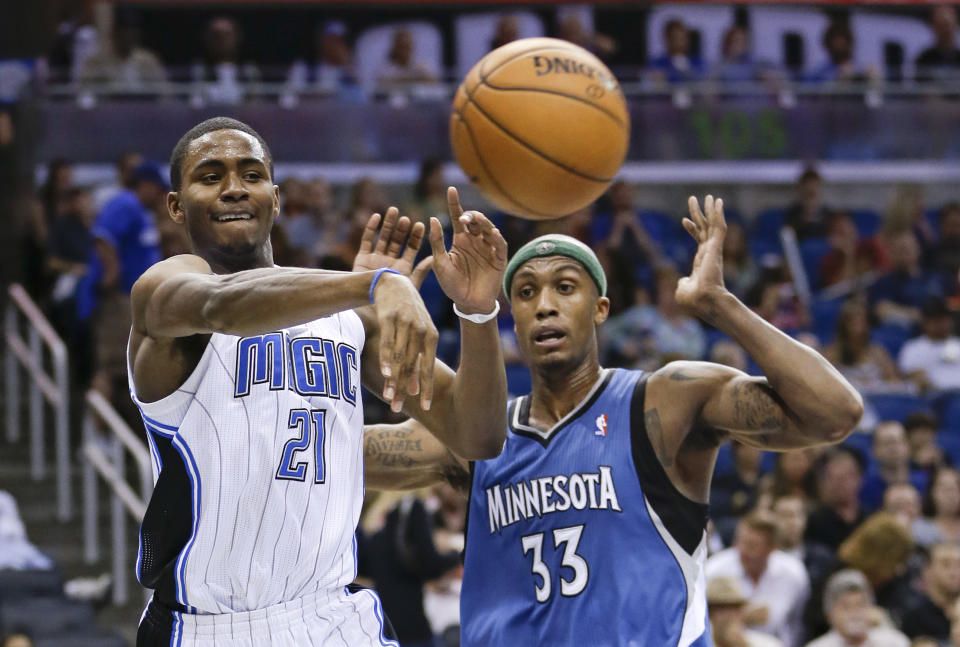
[
  {"x": 589, "y": 527},
  {"x": 678, "y": 64}
]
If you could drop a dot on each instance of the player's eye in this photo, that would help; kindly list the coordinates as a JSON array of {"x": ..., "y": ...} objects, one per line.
[
  {"x": 209, "y": 178},
  {"x": 565, "y": 288},
  {"x": 525, "y": 292},
  {"x": 251, "y": 176}
]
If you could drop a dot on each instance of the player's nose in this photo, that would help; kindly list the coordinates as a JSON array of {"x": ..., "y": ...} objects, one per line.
[{"x": 233, "y": 188}]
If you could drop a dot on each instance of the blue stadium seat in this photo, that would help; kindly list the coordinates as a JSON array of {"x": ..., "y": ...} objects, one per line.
[
  {"x": 812, "y": 251},
  {"x": 83, "y": 640},
  {"x": 868, "y": 222},
  {"x": 860, "y": 441},
  {"x": 949, "y": 442},
  {"x": 47, "y": 616},
  {"x": 518, "y": 379},
  {"x": 825, "y": 313},
  {"x": 765, "y": 236},
  {"x": 897, "y": 406},
  {"x": 890, "y": 337},
  {"x": 950, "y": 412},
  {"x": 32, "y": 582}
]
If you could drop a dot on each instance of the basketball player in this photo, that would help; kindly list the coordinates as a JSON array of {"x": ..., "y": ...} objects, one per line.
[
  {"x": 589, "y": 528},
  {"x": 248, "y": 378}
]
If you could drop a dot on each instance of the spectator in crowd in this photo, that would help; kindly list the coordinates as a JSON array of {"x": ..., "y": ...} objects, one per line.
[
  {"x": 890, "y": 465},
  {"x": 729, "y": 353},
  {"x": 570, "y": 28},
  {"x": 941, "y": 507},
  {"x": 401, "y": 559},
  {"x": 941, "y": 62},
  {"x": 16, "y": 551},
  {"x": 508, "y": 30},
  {"x": 739, "y": 270},
  {"x": 366, "y": 198},
  {"x": 903, "y": 501},
  {"x": 652, "y": 334},
  {"x": 925, "y": 454},
  {"x": 775, "y": 583},
  {"x": 736, "y": 64},
  {"x": 429, "y": 195},
  {"x": 838, "y": 41},
  {"x": 866, "y": 365},
  {"x": 678, "y": 64},
  {"x": 126, "y": 242},
  {"x": 933, "y": 358},
  {"x": 330, "y": 71},
  {"x": 793, "y": 475},
  {"x": 840, "y": 478},
  {"x": 221, "y": 76},
  {"x": 896, "y": 297},
  {"x": 734, "y": 492},
  {"x": 124, "y": 165},
  {"x": 318, "y": 229},
  {"x": 850, "y": 258},
  {"x": 930, "y": 615},
  {"x": 946, "y": 254},
  {"x": 790, "y": 515},
  {"x": 401, "y": 69},
  {"x": 774, "y": 298},
  {"x": 907, "y": 211},
  {"x": 726, "y": 605},
  {"x": 17, "y": 638},
  {"x": 122, "y": 64},
  {"x": 848, "y": 605},
  {"x": 808, "y": 215}
]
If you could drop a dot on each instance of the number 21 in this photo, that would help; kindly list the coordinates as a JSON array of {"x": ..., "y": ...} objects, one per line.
[
  {"x": 309, "y": 424},
  {"x": 570, "y": 538}
]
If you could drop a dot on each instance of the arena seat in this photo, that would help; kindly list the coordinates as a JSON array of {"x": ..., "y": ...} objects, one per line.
[
  {"x": 896, "y": 406},
  {"x": 518, "y": 379},
  {"x": 949, "y": 441},
  {"x": 812, "y": 251},
  {"x": 765, "y": 234},
  {"x": 32, "y": 582},
  {"x": 890, "y": 337},
  {"x": 825, "y": 313},
  {"x": 82, "y": 640},
  {"x": 868, "y": 222},
  {"x": 949, "y": 407},
  {"x": 47, "y": 616}
]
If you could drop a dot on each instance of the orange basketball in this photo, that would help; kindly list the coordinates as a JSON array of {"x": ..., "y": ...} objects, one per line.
[{"x": 540, "y": 126}]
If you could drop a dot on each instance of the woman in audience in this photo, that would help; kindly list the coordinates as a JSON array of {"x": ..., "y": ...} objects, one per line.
[
  {"x": 866, "y": 365},
  {"x": 793, "y": 475},
  {"x": 739, "y": 270},
  {"x": 942, "y": 506}
]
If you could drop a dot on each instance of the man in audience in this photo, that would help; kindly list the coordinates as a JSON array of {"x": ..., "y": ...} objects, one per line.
[
  {"x": 775, "y": 583},
  {"x": 678, "y": 64},
  {"x": 331, "y": 70},
  {"x": 933, "y": 358},
  {"x": 848, "y": 605},
  {"x": 941, "y": 62},
  {"x": 401, "y": 69},
  {"x": 726, "y": 606},
  {"x": 891, "y": 464},
  {"x": 808, "y": 215},
  {"x": 220, "y": 73},
  {"x": 946, "y": 254},
  {"x": 838, "y": 41},
  {"x": 897, "y": 296},
  {"x": 122, "y": 64},
  {"x": 840, "y": 477},
  {"x": 733, "y": 492},
  {"x": 941, "y": 579},
  {"x": 925, "y": 454},
  {"x": 790, "y": 515}
]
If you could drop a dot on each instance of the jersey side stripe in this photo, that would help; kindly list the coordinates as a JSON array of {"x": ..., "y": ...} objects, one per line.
[{"x": 194, "y": 475}]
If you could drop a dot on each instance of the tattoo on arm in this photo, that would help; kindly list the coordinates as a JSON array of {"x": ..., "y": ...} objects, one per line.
[
  {"x": 756, "y": 406},
  {"x": 456, "y": 475},
  {"x": 392, "y": 447},
  {"x": 651, "y": 419},
  {"x": 679, "y": 375}
]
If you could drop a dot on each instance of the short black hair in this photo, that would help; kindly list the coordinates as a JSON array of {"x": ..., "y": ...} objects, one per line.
[{"x": 201, "y": 129}]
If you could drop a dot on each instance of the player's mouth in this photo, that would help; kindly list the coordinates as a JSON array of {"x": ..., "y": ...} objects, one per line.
[
  {"x": 548, "y": 337},
  {"x": 232, "y": 216}
]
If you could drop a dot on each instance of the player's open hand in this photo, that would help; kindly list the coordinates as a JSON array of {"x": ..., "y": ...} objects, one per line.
[
  {"x": 698, "y": 292},
  {"x": 471, "y": 272},
  {"x": 395, "y": 247},
  {"x": 408, "y": 341}
]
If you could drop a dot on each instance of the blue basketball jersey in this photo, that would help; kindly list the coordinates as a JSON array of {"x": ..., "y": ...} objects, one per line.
[{"x": 576, "y": 536}]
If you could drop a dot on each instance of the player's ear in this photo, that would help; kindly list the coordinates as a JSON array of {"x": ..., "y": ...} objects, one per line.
[
  {"x": 174, "y": 207},
  {"x": 276, "y": 201},
  {"x": 602, "y": 311}
]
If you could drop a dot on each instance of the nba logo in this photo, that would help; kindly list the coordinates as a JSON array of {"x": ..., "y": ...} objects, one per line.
[{"x": 601, "y": 425}]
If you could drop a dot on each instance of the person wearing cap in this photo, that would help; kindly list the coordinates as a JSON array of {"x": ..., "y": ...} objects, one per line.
[
  {"x": 726, "y": 605},
  {"x": 589, "y": 527},
  {"x": 933, "y": 358},
  {"x": 854, "y": 621},
  {"x": 331, "y": 71}
]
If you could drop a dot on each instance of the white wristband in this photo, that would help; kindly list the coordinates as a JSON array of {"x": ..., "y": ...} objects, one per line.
[{"x": 478, "y": 318}]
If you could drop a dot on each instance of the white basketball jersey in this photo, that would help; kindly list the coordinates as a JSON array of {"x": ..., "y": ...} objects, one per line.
[{"x": 258, "y": 464}]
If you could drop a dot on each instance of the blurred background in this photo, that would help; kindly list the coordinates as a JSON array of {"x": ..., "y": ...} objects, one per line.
[{"x": 831, "y": 130}]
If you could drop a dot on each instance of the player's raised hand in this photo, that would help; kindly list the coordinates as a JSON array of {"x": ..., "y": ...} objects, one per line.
[
  {"x": 699, "y": 291},
  {"x": 395, "y": 247},
  {"x": 471, "y": 272}
]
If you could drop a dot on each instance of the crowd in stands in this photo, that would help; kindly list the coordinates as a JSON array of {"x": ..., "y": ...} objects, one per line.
[
  {"x": 118, "y": 63},
  {"x": 864, "y": 537}
]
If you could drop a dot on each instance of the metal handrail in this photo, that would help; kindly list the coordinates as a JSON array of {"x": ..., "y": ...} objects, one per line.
[
  {"x": 29, "y": 354},
  {"x": 104, "y": 455}
]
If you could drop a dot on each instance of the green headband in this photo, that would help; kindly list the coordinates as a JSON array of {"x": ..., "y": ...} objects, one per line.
[{"x": 557, "y": 245}]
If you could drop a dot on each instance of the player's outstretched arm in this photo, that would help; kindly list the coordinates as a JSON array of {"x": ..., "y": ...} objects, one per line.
[
  {"x": 802, "y": 400},
  {"x": 406, "y": 456},
  {"x": 466, "y": 410},
  {"x": 181, "y": 296}
]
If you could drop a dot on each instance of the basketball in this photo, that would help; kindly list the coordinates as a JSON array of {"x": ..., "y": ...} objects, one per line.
[{"x": 540, "y": 127}]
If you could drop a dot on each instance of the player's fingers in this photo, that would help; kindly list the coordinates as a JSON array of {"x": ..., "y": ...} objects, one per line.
[
  {"x": 719, "y": 222},
  {"x": 499, "y": 245},
  {"x": 386, "y": 231},
  {"x": 695, "y": 214},
  {"x": 399, "y": 237},
  {"x": 414, "y": 347},
  {"x": 413, "y": 382},
  {"x": 691, "y": 228},
  {"x": 478, "y": 223},
  {"x": 413, "y": 242},
  {"x": 454, "y": 208},
  {"x": 387, "y": 335},
  {"x": 420, "y": 271},
  {"x": 369, "y": 233},
  {"x": 436, "y": 239},
  {"x": 427, "y": 362}
]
